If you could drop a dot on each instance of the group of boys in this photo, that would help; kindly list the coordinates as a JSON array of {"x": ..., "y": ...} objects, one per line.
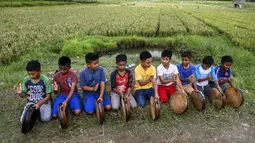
[{"x": 149, "y": 81}]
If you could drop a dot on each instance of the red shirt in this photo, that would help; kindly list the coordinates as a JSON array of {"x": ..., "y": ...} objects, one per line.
[
  {"x": 65, "y": 82},
  {"x": 122, "y": 82}
]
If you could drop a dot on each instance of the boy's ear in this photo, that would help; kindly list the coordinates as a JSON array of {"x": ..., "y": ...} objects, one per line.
[{"x": 40, "y": 71}]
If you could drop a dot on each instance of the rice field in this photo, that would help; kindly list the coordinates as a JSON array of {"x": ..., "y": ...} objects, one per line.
[{"x": 26, "y": 28}]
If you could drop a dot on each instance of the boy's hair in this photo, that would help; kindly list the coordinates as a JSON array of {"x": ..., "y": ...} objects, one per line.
[
  {"x": 121, "y": 58},
  {"x": 33, "y": 65},
  {"x": 145, "y": 55},
  {"x": 186, "y": 54},
  {"x": 64, "y": 61},
  {"x": 208, "y": 60},
  {"x": 226, "y": 59},
  {"x": 166, "y": 53},
  {"x": 90, "y": 57}
]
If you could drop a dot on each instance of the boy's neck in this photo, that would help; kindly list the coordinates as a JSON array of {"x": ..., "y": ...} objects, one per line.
[
  {"x": 36, "y": 79},
  {"x": 185, "y": 67},
  {"x": 166, "y": 66}
]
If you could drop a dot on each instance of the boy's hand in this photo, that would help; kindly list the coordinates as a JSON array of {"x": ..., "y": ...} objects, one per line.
[
  {"x": 219, "y": 88},
  {"x": 151, "y": 77},
  {"x": 126, "y": 98},
  {"x": 209, "y": 78},
  {"x": 230, "y": 80},
  {"x": 37, "y": 106},
  {"x": 99, "y": 99},
  {"x": 64, "y": 104},
  {"x": 191, "y": 78},
  {"x": 95, "y": 87},
  {"x": 157, "y": 97},
  {"x": 18, "y": 89},
  {"x": 55, "y": 86}
]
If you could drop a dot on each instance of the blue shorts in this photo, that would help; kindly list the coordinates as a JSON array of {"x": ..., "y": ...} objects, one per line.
[
  {"x": 89, "y": 100},
  {"x": 74, "y": 102},
  {"x": 141, "y": 94}
]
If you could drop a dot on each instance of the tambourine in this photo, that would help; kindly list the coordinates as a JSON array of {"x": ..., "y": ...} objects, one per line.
[
  {"x": 198, "y": 100},
  {"x": 233, "y": 97},
  {"x": 63, "y": 116},
  {"x": 179, "y": 102},
  {"x": 155, "y": 108},
  {"x": 99, "y": 112},
  {"x": 218, "y": 99},
  {"x": 30, "y": 116}
]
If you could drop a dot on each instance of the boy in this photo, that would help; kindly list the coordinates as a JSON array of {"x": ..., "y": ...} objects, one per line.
[
  {"x": 121, "y": 83},
  {"x": 65, "y": 85},
  {"x": 167, "y": 77},
  {"x": 92, "y": 82},
  {"x": 145, "y": 76},
  {"x": 37, "y": 88},
  {"x": 204, "y": 73},
  {"x": 224, "y": 73},
  {"x": 187, "y": 73}
]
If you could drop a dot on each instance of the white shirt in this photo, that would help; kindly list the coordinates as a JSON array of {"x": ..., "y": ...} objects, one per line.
[{"x": 166, "y": 73}]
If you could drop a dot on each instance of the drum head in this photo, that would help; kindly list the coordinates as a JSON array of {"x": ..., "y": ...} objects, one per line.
[
  {"x": 198, "y": 100},
  {"x": 29, "y": 119},
  {"x": 178, "y": 102},
  {"x": 233, "y": 97},
  {"x": 218, "y": 99},
  {"x": 99, "y": 112},
  {"x": 63, "y": 116}
]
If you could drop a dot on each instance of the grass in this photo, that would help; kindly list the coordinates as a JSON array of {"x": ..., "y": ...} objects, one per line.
[{"x": 46, "y": 33}]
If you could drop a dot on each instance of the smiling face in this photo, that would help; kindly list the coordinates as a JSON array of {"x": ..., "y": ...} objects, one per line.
[
  {"x": 227, "y": 65},
  {"x": 185, "y": 61},
  {"x": 146, "y": 63},
  {"x": 93, "y": 65}
]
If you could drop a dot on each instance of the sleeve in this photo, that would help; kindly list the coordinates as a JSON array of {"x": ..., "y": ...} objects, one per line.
[
  {"x": 138, "y": 75},
  {"x": 113, "y": 79},
  {"x": 102, "y": 75},
  {"x": 55, "y": 79},
  {"x": 74, "y": 78},
  {"x": 217, "y": 71},
  {"x": 130, "y": 79},
  {"x": 24, "y": 87},
  {"x": 82, "y": 79},
  {"x": 230, "y": 74},
  {"x": 48, "y": 84},
  {"x": 180, "y": 72},
  {"x": 197, "y": 73},
  {"x": 213, "y": 73},
  {"x": 176, "y": 70},
  {"x": 159, "y": 71}
]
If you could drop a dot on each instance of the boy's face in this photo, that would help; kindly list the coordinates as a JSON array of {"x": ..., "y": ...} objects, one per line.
[
  {"x": 146, "y": 63},
  {"x": 34, "y": 74},
  {"x": 64, "y": 69},
  {"x": 121, "y": 65},
  {"x": 206, "y": 66},
  {"x": 93, "y": 65},
  {"x": 185, "y": 61},
  {"x": 165, "y": 60},
  {"x": 227, "y": 65}
]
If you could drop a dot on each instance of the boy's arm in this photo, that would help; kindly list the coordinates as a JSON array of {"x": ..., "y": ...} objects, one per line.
[
  {"x": 138, "y": 78},
  {"x": 162, "y": 81},
  {"x": 178, "y": 82},
  {"x": 48, "y": 93},
  {"x": 84, "y": 86},
  {"x": 18, "y": 90},
  {"x": 38, "y": 105},
  {"x": 155, "y": 86},
  {"x": 73, "y": 86},
  {"x": 102, "y": 86}
]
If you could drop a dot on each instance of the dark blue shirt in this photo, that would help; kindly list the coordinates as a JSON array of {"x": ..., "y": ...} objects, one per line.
[
  {"x": 92, "y": 78},
  {"x": 220, "y": 73},
  {"x": 185, "y": 73}
]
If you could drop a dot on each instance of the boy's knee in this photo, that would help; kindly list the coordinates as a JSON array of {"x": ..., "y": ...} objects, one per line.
[
  {"x": 77, "y": 112},
  {"x": 108, "y": 107},
  {"x": 115, "y": 107},
  {"x": 90, "y": 113},
  {"x": 164, "y": 100},
  {"x": 46, "y": 118},
  {"x": 142, "y": 104}
]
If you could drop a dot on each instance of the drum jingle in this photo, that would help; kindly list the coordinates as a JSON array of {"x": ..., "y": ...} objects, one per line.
[{"x": 179, "y": 102}]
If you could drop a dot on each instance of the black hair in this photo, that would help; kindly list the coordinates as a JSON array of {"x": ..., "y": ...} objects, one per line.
[
  {"x": 64, "y": 61},
  {"x": 208, "y": 60},
  {"x": 166, "y": 53},
  {"x": 186, "y": 54},
  {"x": 145, "y": 55},
  {"x": 90, "y": 57},
  {"x": 33, "y": 65},
  {"x": 226, "y": 59},
  {"x": 121, "y": 58}
]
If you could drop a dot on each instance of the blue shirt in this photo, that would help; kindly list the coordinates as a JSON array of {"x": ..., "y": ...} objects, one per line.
[
  {"x": 222, "y": 73},
  {"x": 202, "y": 73},
  {"x": 185, "y": 73},
  {"x": 92, "y": 78}
]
